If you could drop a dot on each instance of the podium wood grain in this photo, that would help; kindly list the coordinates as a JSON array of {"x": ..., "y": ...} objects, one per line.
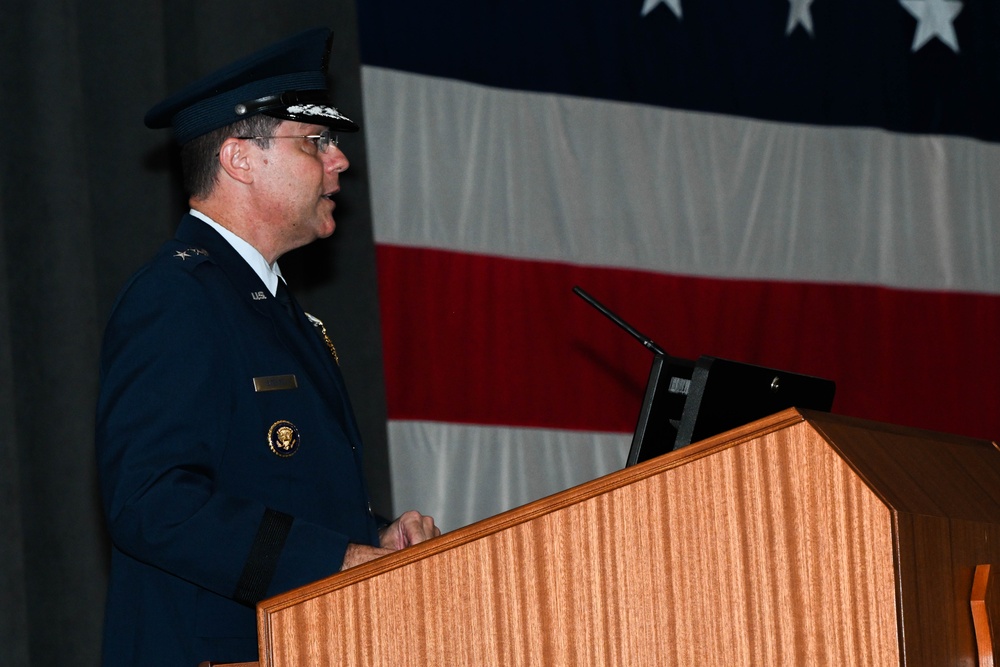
[{"x": 801, "y": 539}]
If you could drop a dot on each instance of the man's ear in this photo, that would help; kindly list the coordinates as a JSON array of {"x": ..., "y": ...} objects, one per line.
[{"x": 235, "y": 160}]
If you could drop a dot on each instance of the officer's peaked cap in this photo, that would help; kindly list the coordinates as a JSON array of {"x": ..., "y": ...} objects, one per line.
[{"x": 285, "y": 80}]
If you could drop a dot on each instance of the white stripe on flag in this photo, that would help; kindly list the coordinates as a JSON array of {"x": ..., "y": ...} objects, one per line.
[
  {"x": 538, "y": 176},
  {"x": 460, "y": 473}
]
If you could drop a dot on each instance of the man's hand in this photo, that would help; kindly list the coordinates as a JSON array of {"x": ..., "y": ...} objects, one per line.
[
  {"x": 357, "y": 554},
  {"x": 410, "y": 528}
]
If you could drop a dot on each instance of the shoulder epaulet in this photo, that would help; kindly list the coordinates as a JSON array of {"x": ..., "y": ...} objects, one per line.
[{"x": 189, "y": 256}]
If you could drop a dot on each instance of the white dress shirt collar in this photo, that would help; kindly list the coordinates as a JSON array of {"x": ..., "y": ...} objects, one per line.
[{"x": 269, "y": 273}]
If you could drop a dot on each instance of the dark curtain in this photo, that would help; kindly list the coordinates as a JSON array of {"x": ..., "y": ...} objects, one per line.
[{"x": 87, "y": 194}]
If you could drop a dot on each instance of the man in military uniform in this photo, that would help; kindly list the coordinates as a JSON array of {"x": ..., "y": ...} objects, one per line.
[{"x": 229, "y": 456}]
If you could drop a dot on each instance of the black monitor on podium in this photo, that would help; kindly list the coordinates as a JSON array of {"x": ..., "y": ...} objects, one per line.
[{"x": 686, "y": 401}]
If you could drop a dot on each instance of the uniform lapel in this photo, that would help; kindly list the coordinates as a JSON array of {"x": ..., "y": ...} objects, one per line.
[{"x": 295, "y": 331}]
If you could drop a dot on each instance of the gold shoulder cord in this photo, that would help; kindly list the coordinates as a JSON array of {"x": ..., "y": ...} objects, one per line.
[{"x": 316, "y": 322}]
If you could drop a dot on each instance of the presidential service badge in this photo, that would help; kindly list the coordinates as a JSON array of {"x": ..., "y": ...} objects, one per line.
[{"x": 283, "y": 438}]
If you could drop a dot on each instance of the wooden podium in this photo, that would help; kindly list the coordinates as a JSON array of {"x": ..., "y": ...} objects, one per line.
[{"x": 800, "y": 539}]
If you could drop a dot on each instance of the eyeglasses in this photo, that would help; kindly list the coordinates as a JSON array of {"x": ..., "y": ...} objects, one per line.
[{"x": 323, "y": 140}]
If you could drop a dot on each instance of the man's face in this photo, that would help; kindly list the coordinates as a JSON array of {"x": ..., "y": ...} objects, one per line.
[{"x": 295, "y": 184}]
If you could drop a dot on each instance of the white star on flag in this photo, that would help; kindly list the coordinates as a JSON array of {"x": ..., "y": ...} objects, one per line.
[
  {"x": 798, "y": 14},
  {"x": 674, "y": 5},
  {"x": 934, "y": 19}
]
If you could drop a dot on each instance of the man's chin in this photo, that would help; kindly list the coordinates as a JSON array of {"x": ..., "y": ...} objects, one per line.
[
  {"x": 329, "y": 224},
  {"x": 328, "y": 229},
  {"x": 324, "y": 224}
]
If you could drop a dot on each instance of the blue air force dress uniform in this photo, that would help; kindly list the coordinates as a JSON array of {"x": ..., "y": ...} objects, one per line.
[{"x": 228, "y": 453}]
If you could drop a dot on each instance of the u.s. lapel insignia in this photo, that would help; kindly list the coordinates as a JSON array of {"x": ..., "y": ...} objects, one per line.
[{"x": 283, "y": 438}]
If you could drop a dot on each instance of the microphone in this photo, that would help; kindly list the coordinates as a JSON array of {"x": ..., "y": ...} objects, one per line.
[{"x": 646, "y": 341}]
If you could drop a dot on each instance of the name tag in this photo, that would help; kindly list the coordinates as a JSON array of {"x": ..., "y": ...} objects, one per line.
[{"x": 275, "y": 383}]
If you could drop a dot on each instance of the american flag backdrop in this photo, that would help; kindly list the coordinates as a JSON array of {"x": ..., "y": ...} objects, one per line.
[{"x": 812, "y": 185}]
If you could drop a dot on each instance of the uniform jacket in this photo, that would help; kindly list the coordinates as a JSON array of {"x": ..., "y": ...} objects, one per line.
[{"x": 228, "y": 454}]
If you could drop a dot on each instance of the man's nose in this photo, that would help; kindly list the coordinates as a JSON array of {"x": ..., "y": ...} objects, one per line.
[{"x": 335, "y": 159}]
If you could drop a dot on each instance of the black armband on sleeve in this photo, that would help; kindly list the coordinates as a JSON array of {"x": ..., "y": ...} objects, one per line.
[{"x": 263, "y": 559}]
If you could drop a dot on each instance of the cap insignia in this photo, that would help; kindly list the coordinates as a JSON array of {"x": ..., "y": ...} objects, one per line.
[{"x": 316, "y": 110}]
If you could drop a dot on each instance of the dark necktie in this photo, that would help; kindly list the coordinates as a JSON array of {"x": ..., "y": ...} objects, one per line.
[{"x": 285, "y": 298}]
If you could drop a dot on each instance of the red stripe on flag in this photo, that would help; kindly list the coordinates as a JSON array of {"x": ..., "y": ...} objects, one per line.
[{"x": 487, "y": 340}]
